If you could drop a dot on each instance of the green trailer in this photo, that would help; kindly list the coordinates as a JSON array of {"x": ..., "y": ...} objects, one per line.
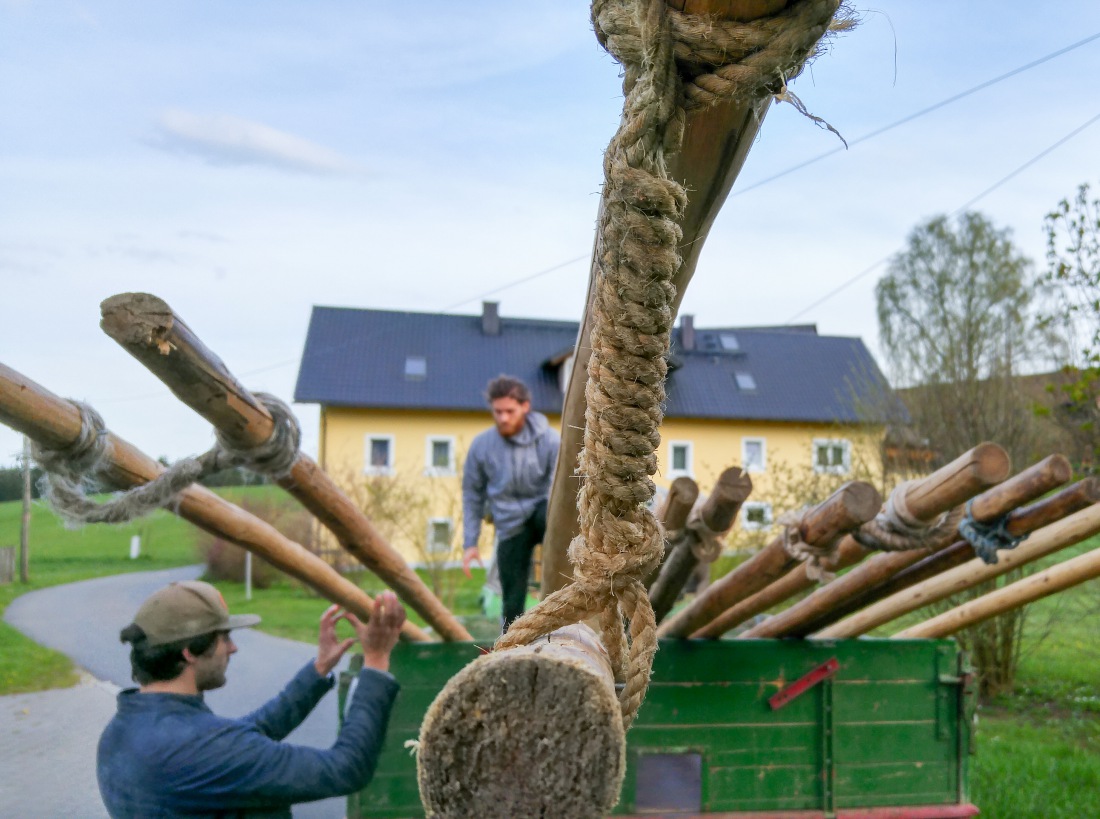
[{"x": 752, "y": 728}]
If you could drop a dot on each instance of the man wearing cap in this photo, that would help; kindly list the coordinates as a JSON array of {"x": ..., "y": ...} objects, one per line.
[{"x": 165, "y": 754}]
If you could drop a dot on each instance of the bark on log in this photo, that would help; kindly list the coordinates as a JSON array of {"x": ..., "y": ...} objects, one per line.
[
  {"x": 55, "y": 423},
  {"x": 717, "y": 514},
  {"x": 1045, "y": 541},
  {"x": 673, "y": 514},
  {"x": 1018, "y": 523},
  {"x": 1072, "y": 572},
  {"x": 816, "y": 609},
  {"x": 715, "y": 145},
  {"x": 531, "y": 731},
  {"x": 850, "y": 506},
  {"x": 949, "y": 486},
  {"x": 147, "y": 328}
]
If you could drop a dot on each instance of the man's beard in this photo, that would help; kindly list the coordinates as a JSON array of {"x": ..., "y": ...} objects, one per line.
[{"x": 210, "y": 677}]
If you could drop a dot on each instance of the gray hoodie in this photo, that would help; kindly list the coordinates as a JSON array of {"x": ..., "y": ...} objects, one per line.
[{"x": 512, "y": 474}]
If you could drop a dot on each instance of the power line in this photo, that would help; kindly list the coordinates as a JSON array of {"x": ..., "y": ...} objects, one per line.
[
  {"x": 918, "y": 114},
  {"x": 1007, "y": 177}
]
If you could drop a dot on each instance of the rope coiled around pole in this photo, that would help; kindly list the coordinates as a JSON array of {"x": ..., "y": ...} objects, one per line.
[
  {"x": 637, "y": 257},
  {"x": 69, "y": 469}
]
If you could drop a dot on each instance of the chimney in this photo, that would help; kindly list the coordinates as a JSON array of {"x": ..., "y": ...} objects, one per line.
[
  {"x": 687, "y": 331},
  {"x": 490, "y": 318}
]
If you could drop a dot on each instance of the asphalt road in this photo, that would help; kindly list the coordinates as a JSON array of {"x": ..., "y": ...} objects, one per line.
[{"x": 83, "y": 620}]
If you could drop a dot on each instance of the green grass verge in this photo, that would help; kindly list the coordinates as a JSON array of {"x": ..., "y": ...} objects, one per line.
[{"x": 59, "y": 555}]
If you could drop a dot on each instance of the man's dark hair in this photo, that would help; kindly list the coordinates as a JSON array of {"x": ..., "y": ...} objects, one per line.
[
  {"x": 504, "y": 386},
  {"x": 164, "y": 662}
]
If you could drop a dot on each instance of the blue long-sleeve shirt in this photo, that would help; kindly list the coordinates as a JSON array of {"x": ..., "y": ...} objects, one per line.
[{"x": 169, "y": 755}]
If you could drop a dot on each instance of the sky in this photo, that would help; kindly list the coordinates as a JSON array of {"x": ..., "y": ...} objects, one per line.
[{"x": 246, "y": 161}]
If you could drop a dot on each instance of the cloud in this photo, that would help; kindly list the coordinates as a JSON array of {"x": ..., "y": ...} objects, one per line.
[{"x": 232, "y": 141}]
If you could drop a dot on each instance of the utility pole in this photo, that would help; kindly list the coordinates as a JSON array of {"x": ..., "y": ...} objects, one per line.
[{"x": 25, "y": 527}]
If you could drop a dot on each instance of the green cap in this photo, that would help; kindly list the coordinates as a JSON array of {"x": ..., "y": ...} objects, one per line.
[{"x": 187, "y": 609}]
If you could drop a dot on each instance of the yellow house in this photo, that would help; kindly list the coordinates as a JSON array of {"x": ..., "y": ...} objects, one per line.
[{"x": 401, "y": 396}]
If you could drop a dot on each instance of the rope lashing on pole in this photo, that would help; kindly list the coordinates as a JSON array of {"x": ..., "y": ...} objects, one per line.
[
  {"x": 817, "y": 558},
  {"x": 637, "y": 255},
  {"x": 988, "y": 538},
  {"x": 896, "y": 529},
  {"x": 67, "y": 470}
]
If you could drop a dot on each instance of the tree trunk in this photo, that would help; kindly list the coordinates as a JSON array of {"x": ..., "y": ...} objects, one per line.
[{"x": 531, "y": 731}]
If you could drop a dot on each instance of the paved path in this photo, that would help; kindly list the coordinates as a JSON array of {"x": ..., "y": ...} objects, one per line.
[{"x": 48, "y": 739}]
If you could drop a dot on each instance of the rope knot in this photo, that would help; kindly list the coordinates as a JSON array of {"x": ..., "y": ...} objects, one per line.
[
  {"x": 816, "y": 558},
  {"x": 988, "y": 538}
]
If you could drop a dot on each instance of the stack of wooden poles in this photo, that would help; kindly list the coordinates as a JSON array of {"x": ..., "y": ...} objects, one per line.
[{"x": 885, "y": 586}]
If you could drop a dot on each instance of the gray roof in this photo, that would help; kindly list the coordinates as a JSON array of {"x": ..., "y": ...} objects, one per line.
[{"x": 369, "y": 358}]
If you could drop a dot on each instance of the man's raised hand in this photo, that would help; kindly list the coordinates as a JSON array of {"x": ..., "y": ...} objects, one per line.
[
  {"x": 380, "y": 635},
  {"x": 329, "y": 647}
]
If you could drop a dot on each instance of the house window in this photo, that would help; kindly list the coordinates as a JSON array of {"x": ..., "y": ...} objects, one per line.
[
  {"x": 729, "y": 342},
  {"x": 753, "y": 454},
  {"x": 756, "y": 515},
  {"x": 679, "y": 458},
  {"x": 440, "y": 536},
  {"x": 832, "y": 455},
  {"x": 439, "y": 458},
  {"x": 379, "y": 455}
]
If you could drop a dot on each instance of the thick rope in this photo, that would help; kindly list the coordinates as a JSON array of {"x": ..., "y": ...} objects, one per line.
[
  {"x": 896, "y": 529},
  {"x": 637, "y": 256},
  {"x": 67, "y": 470}
]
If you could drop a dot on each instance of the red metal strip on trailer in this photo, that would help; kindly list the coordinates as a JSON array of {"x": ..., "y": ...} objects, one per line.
[
  {"x": 804, "y": 684},
  {"x": 899, "y": 812}
]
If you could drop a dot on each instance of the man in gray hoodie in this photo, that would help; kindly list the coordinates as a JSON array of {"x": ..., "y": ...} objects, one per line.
[{"x": 509, "y": 468}]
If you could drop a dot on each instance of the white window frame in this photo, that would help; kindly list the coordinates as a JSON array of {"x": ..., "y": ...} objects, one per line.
[
  {"x": 763, "y": 466},
  {"x": 835, "y": 469},
  {"x": 689, "y": 469},
  {"x": 751, "y": 525},
  {"x": 429, "y": 543},
  {"x": 439, "y": 471},
  {"x": 368, "y": 441}
]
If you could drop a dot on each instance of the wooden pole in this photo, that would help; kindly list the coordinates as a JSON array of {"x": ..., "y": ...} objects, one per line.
[
  {"x": 989, "y": 506},
  {"x": 1045, "y": 541},
  {"x": 1018, "y": 523},
  {"x": 25, "y": 519},
  {"x": 853, "y": 504},
  {"x": 147, "y": 328},
  {"x": 673, "y": 514},
  {"x": 717, "y": 514},
  {"x": 955, "y": 483},
  {"x": 715, "y": 145},
  {"x": 1072, "y": 572},
  {"x": 55, "y": 424},
  {"x": 494, "y": 743}
]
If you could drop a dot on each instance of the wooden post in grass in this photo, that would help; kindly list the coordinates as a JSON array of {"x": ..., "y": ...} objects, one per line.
[
  {"x": 493, "y": 746},
  {"x": 817, "y": 610},
  {"x": 949, "y": 486},
  {"x": 55, "y": 424},
  {"x": 715, "y": 145},
  {"x": 1060, "y": 577},
  {"x": 1051, "y": 538},
  {"x": 147, "y": 328},
  {"x": 716, "y": 517},
  {"x": 853, "y": 504},
  {"x": 1018, "y": 523}
]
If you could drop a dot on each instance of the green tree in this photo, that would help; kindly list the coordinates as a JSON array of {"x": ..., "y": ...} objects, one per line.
[
  {"x": 957, "y": 323},
  {"x": 957, "y": 320},
  {"x": 1073, "y": 274}
]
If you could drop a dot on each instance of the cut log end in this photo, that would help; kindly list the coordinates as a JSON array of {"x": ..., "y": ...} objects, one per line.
[
  {"x": 135, "y": 318},
  {"x": 526, "y": 732}
]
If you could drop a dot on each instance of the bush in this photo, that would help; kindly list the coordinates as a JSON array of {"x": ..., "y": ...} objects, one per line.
[{"x": 225, "y": 560}]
